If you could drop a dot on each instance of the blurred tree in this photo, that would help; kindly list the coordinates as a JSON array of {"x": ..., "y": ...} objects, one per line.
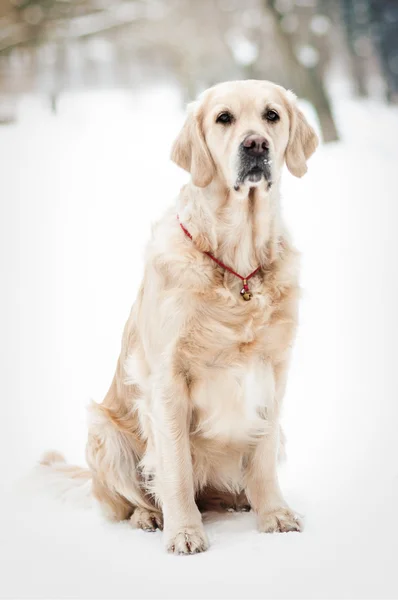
[
  {"x": 304, "y": 67},
  {"x": 384, "y": 26},
  {"x": 56, "y": 44},
  {"x": 355, "y": 16},
  {"x": 371, "y": 27}
]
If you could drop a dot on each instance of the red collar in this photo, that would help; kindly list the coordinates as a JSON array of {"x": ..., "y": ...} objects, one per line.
[{"x": 245, "y": 291}]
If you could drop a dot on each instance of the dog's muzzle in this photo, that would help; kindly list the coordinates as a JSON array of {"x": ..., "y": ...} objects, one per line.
[{"x": 254, "y": 160}]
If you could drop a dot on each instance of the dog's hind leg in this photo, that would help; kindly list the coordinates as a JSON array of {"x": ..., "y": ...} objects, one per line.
[
  {"x": 117, "y": 508},
  {"x": 114, "y": 506},
  {"x": 113, "y": 454}
]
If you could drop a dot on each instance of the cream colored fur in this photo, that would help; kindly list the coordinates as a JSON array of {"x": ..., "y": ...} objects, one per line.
[{"x": 192, "y": 416}]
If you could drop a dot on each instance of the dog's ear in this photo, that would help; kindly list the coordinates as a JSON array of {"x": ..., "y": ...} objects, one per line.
[
  {"x": 190, "y": 151},
  {"x": 302, "y": 140}
]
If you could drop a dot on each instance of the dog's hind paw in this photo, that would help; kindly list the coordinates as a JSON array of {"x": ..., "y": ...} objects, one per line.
[{"x": 146, "y": 519}]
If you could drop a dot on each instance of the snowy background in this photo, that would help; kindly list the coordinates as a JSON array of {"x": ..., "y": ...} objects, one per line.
[
  {"x": 86, "y": 86},
  {"x": 78, "y": 196}
]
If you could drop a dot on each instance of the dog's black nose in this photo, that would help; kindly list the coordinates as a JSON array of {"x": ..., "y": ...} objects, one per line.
[{"x": 256, "y": 145}]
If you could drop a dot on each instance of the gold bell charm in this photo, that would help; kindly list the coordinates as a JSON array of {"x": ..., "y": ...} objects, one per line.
[{"x": 245, "y": 292}]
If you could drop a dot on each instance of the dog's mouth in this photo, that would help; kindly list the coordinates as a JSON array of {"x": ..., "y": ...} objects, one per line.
[
  {"x": 255, "y": 174},
  {"x": 253, "y": 171}
]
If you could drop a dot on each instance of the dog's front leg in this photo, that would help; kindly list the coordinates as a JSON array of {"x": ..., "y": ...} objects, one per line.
[
  {"x": 262, "y": 485},
  {"x": 174, "y": 484}
]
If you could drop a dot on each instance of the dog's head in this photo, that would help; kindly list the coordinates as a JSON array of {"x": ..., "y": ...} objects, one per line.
[{"x": 242, "y": 132}]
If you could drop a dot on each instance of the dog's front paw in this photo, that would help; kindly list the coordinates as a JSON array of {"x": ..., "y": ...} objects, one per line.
[
  {"x": 188, "y": 540},
  {"x": 282, "y": 519}
]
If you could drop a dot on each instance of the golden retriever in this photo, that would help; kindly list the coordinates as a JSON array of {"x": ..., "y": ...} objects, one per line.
[{"x": 191, "y": 419}]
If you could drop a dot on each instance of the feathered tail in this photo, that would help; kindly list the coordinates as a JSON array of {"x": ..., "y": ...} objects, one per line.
[{"x": 69, "y": 482}]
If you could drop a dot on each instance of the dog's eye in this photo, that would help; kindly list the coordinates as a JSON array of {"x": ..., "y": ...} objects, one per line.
[
  {"x": 271, "y": 115},
  {"x": 225, "y": 118}
]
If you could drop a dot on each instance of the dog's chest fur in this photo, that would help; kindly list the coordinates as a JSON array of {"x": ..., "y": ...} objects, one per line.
[
  {"x": 226, "y": 358},
  {"x": 230, "y": 404}
]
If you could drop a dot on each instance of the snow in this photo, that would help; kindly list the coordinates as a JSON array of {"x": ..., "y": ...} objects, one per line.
[
  {"x": 307, "y": 55},
  {"x": 320, "y": 25},
  {"x": 79, "y": 192},
  {"x": 244, "y": 51}
]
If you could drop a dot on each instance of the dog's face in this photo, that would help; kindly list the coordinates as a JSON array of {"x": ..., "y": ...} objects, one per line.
[{"x": 242, "y": 132}]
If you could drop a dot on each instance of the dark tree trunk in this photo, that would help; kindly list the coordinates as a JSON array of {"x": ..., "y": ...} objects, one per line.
[
  {"x": 306, "y": 80},
  {"x": 353, "y": 31},
  {"x": 384, "y": 17}
]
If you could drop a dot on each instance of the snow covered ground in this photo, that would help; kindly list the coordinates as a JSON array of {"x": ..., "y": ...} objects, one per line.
[{"x": 78, "y": 194}]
